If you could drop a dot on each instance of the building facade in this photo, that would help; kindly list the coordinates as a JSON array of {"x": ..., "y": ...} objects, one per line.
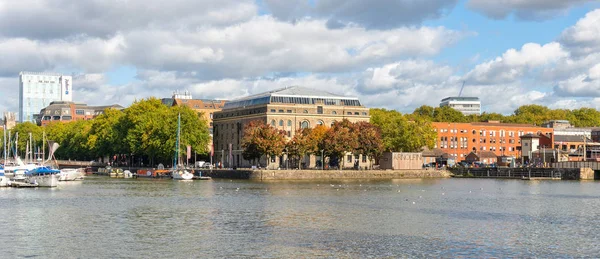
[
  {"x": 289, "y": 109},
  {"x": 38, "y": 90},
  {"x": 460, "y": 139},
  {"x": 9, "y": 120},
  {"x": 466, "y": 105},
  {"x": 69, "y": 111},
  {"x": 205, "y": 107}
]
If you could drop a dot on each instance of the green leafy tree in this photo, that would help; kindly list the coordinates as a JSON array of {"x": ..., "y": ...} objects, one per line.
[
  {"x": 105, "y": 137},
  {"x": 447, "y": 114},
  {"x": 398, "y": 134}
]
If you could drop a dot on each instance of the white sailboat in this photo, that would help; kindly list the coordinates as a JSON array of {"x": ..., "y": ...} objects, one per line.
[{"x": 179, "y": 173}]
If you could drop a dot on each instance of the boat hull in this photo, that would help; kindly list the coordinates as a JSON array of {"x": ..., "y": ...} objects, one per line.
[
  {"x": 182, "y": 175},
  {"x": 50, "y": 180},
  {"x": 70, "y": 175}
]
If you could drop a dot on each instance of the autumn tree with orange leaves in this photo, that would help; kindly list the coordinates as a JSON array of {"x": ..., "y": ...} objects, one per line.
[{"x": 262, "y": 139}]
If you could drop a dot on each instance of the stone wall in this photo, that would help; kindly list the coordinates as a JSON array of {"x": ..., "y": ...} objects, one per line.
[{"x": 325, "y": 174}]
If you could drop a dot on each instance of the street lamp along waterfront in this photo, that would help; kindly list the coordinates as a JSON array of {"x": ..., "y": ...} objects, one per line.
[{"x": 322, "y": 159}]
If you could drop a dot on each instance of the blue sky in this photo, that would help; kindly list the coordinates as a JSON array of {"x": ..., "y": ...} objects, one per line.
[{"x": 395, "y": 54}]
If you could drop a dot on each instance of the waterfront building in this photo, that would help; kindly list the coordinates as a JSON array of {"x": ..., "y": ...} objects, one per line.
[
  {"x": 466, "y": 105},
  {"x": 503, "y": 139},
  {"x": 69, "y": 111},
  {"x": 289, "y": 109},
  {"x": 9, "y": 120},
  {"x": 38, "y": 90},
  {"x": 204, "y": 107}
]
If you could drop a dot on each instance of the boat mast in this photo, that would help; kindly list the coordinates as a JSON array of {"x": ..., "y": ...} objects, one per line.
[
  {"x": 4, "y": 142},
  {"x": 178, "y": 136}
]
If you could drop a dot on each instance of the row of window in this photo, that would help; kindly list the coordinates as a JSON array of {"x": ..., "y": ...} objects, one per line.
[
  {"x": 309, "y": 100},
  {"x": 319, "y": 111}
]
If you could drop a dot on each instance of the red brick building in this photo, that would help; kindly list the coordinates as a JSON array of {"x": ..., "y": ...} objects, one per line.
[{"x": 503, "y": 139}]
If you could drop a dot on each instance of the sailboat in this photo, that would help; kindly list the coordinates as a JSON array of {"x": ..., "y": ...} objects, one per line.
[{"x": 179, "y": 173}]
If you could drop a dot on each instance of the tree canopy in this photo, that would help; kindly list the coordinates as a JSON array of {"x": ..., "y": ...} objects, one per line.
[{"x": 146, "y": 129}]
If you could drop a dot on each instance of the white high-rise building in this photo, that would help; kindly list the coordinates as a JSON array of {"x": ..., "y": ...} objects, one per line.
[
  {"x": 37, "y": 90},
  {"x": 466, "y": 105}
]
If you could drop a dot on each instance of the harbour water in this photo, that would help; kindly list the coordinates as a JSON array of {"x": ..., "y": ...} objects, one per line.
[{"x": 103, "y": 217}]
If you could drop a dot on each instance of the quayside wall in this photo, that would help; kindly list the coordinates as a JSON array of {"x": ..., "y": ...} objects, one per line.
[{"x": 323, "y": 174}]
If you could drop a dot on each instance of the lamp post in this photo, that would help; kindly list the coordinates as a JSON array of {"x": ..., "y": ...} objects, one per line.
[{"x": 322, "y": 159}]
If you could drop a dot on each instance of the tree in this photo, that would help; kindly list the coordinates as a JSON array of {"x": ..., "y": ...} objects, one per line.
[
  {"x": 262, "y": 139},
  {"x": 300, "y": 144},
  {"x": 104, "y": 138},
  {"x": 447, "y": 114},
  {"x": 398, "y": 134},
  {"x": 342, "y": 137},
  {"x": 369, "y": 140}
]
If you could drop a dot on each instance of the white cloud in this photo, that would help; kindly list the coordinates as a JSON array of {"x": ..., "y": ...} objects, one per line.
[
  {"x": 524, "y": 9},
  {"x": 584, "y": 37},
  {"x": 373, "y": 14},
  {"x": 89, "y": 54},
  {"x": 52, "y": 19},
  {"x": 514, "y": 64}
]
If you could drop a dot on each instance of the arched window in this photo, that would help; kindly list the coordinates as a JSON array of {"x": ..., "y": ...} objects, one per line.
[
  {"x": 304, "y": 125},
  {"x": 334, "y": 112},
  {"x": 319, "y": 122},
  {"x": 273, "y": 123},
  {"x": 281, "y": 123},
  {"x": 289, "y": 123},
  {"x": 305, "y": 111}
]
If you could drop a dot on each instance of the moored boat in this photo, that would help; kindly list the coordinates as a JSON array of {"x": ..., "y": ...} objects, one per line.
[{"x": 43, "y": 176}]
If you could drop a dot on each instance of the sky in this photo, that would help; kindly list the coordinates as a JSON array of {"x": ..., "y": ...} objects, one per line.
[{"x": 393, "y": 54}]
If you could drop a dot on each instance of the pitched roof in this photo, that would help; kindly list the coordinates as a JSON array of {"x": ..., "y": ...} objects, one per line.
[{"x": 484, "y": 154}]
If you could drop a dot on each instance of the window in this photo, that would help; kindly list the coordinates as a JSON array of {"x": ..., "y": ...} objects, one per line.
[
  {"x": 349, "y": 159},
  {"x": 289, "y": 111},
  {"x": 356, "y": 113},
  {"x": 289, "y": 123},
  {"x": 304, "y": 125},
  {"x": 79, "y": 112},
  {"x": 289, "y": 133},
  {"x": 281, "y": 111},
  {"x": 319, "y": 122},
  {"x": 364, "y": 113},
  {"x": 211, "y": 115},
  {"x": 305, "y": 111},
  {"x": 66, "y": 118},
  {"x": 319, "y": 109},
  {"x": 281, "y": 123},
  {"x": 334, "y": 112},
  {"x": 273, "y": 110},
  {"x": 55, "y": 118},
  {"x": 273, "y": 123},
  {"x": 364, "y": 158},
  {"x": 349, "y": 113}
]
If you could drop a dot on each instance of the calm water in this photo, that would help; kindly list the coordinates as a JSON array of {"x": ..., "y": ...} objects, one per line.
[{"x": 115, "y": 218}]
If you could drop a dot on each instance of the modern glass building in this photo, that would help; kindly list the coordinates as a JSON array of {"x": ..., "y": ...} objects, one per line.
[
  {"x": 38, "y": 90},
  {"x": 466, "y": 105}
]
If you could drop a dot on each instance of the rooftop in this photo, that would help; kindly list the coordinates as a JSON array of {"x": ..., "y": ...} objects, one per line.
[
  {"x": 294, "y": 95},
  {"x": 456, "y": 98}
]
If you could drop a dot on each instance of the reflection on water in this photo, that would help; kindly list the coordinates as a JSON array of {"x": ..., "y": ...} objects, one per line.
[{"x": 106, "y": 217}]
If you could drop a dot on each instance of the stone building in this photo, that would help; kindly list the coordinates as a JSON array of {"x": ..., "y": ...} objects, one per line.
[
  {"x": 205, "y": 107},
  {"x": 289, "y": 109}
]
